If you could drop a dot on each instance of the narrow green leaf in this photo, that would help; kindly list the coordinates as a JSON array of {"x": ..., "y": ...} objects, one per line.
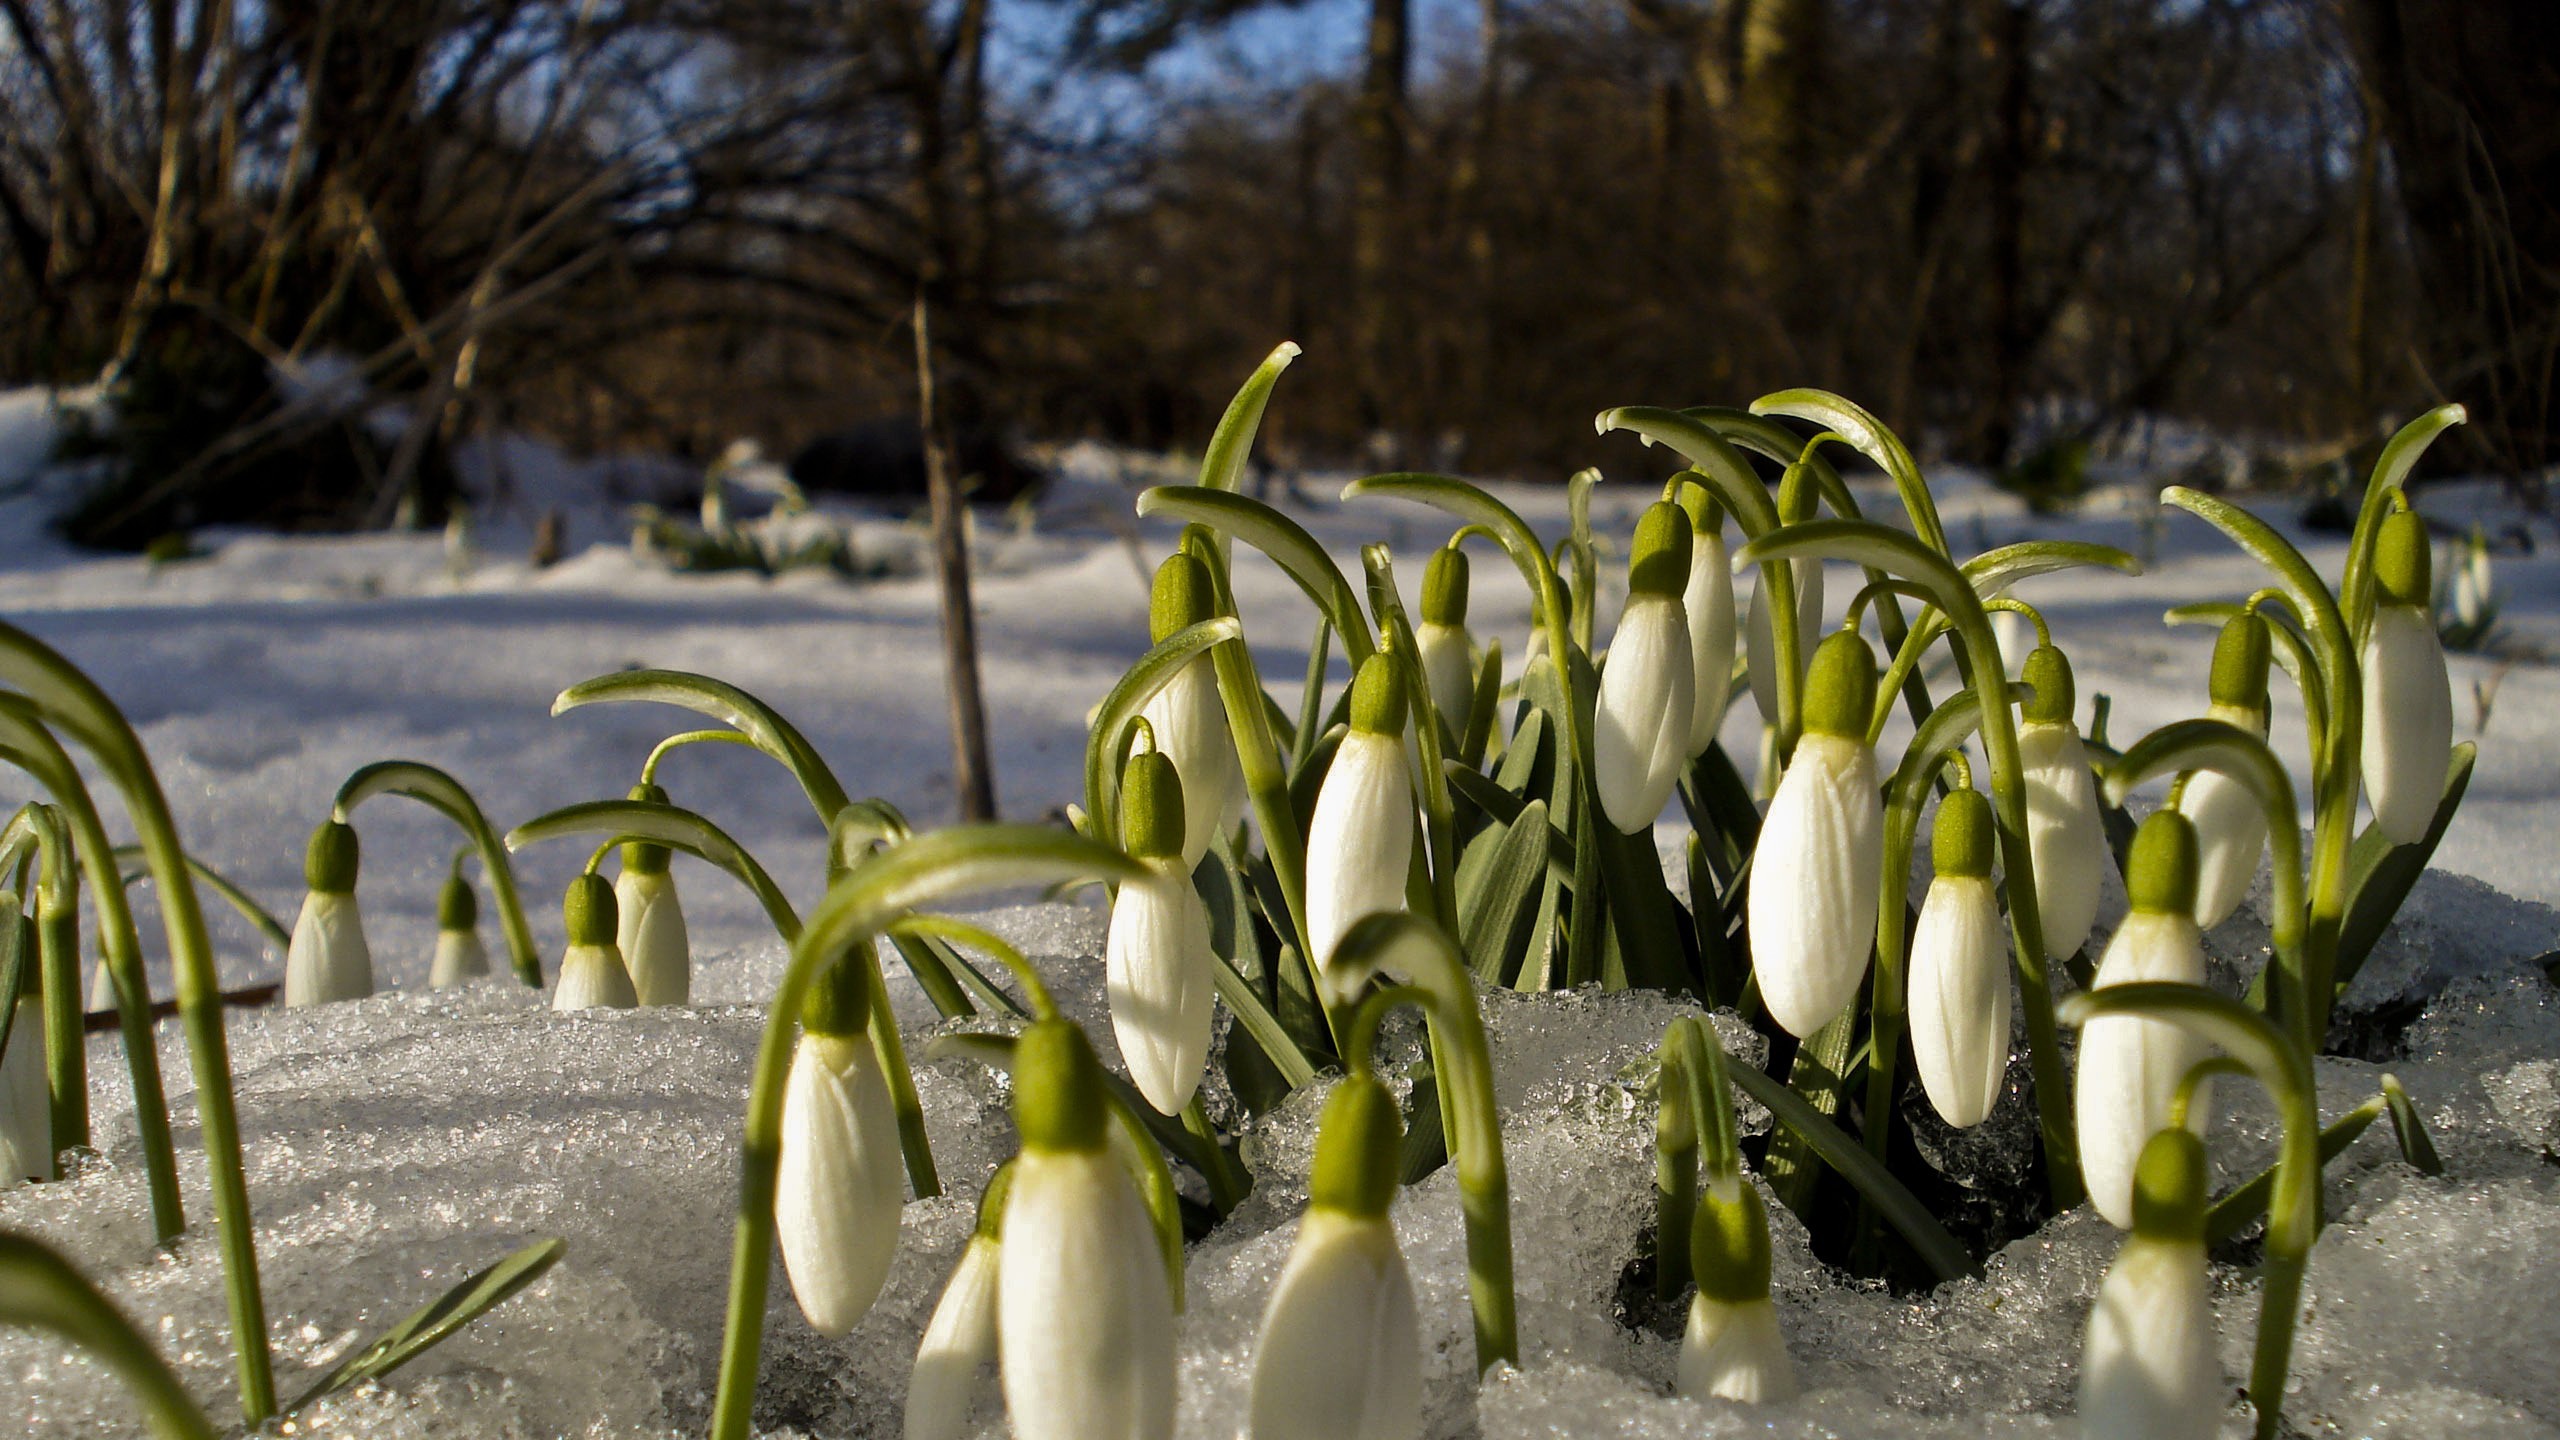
[
  {"x": 1223, "y": 463},
  {"x": 760, "y": 723},
  {"x": 1496, "y": 908},
  {"x": 2381, "y": 874},
  {"x": 1261, "y": 1024},
  {"x": 237, "y": 898},
  {"x": 1993, "y": 572},
  {"x": 1936, "y": 1248},
  {"x": 13, "y": 972},
  {"x": 40, "y": 1290},
  {"x": 458, "y": 1307},
  {"x": 1873, "y": 439},
  {"x": 1296, "y": 552}
]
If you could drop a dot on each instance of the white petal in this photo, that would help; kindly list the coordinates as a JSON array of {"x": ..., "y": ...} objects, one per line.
[
  {"x": 1640, "y": 723},
  {"x": 593, "y": 977},
  {"x": 1340, "y": 1357},
  {"x": 2148, "y": 1370},
  {"x": 1960, "y": 999},
  {"x": 26, "y": 1113},
  {"x": 649, "y": 924},
  {"x": 327, "y": 959},
  {"x": 2408, "y": 722},
  {"x": 841, "y": 1183},
  {"x": 1156, "y": 964},
  {"x": 2066, "y": 840},
  {"x": 459, "y": 956},
  {"x": 1735, "y": 1352},
  {"x": 1760, "y": 644},
  {"x": 2231, "y": 833},
  {"x": 1812, "y": 903},
  {"x": 958, "y": 1342},
  {"x": 1449, "y": 664},
  {"x": 2130, "y": 1067},
  {"x": 1190, "y": 724},
  {"x": 1360, "y": 842},
  {"x": 1084, "y": 1318},
  {"x": 1709, "y": 603}
]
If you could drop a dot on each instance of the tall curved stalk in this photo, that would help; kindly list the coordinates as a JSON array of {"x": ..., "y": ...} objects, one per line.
[{"x": 443, "y": 794}]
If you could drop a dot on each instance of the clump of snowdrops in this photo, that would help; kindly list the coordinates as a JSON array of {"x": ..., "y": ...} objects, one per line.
[{"x": 1447, "y": 823}]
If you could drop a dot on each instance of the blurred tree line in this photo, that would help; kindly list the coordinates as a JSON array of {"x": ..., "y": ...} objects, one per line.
[{"x": 2014, "y": 227}]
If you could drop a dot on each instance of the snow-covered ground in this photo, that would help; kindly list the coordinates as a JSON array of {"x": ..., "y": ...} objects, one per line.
[{"x": 397, "y": 1143}]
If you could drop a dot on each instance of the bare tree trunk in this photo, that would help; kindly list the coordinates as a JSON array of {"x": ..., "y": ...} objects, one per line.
[
  {"x": 2011, "y": 28},
  {"x": 1381, "y": 123},
  {"x": 1770, "y": 218},
  {"x": 972, "y": 770}
]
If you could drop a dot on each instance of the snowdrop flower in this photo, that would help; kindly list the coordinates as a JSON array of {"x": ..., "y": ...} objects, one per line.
[
  {"x": 2148, "y": 1369},
  {"x": 459, "y": 954},
  {"x": 1084, "y": 1310},
  {"x": 26, "y": 1101},
  {"x": 2475, "y": 587},
  {"x": 2130, "y": 1067},
  {"x": 839, "y": 1187},
  {"x": 1340, "y": 1356},
  {"x": 2066, "y": 840},
  {"x": 1156, "y": 959},
  {"x": 1648, "y": 683},
  {"x": 1732, "y": 1349},
  {"x": 1959, "y": 1003},
  {"x": 1760, "y": 642},
  {"x": 2231, "y": 826},
  {"x": 1448, "y": 651},
  {"x": 1360, "y": 843},
  {"x": 1708, "y": 600},
  {"x": 650, "y": 933},
  {"x": 1188, "y": 718},
  {"x": 1812, "y": 902},
  {"x": 2408, "y": 702},
  {"x": 328, "y": 959},
  {"x": 960, "y": 1339},
  {"x": 591, "y": 973}
]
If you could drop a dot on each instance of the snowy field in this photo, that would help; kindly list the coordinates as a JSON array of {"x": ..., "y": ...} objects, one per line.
[{"x": 395, "y": 1144}]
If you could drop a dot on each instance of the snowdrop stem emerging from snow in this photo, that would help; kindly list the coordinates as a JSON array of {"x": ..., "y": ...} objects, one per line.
[
  {"x": 444, "y": 794},
  {"x": 2283, "y": 1068},
  {"x": 1694, "y": 1141},
  {"x": 57, "y": 911},
  {"x": 1413, "y": 947},
  {"x": 857, "y": 908}
]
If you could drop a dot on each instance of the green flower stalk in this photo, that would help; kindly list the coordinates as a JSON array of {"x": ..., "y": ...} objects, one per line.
[
  {"x": 2148, "y": 1367},
  {"x": 1760, "y": 644},
  {"x": 1641, "y": 718},
  {"x": 2231, "y": 826},
  {"x": 1812, "y": 897},
  {"x": 2130, "y": 1069},
  {"x": 26, "y": 1112},
  {"x": 2408, "y": 702},
  {"x": 1187, "y": 716},
  {"x": 840, "y": 1188},
  {"x": 650, "y": 931},
  {"x": 592, "y": 974},
  {"x": 328, "y": 959}
]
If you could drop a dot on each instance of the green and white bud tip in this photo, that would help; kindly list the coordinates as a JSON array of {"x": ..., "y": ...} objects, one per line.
[
  {"x": 1961, "y": 842},
  {"x": 2169, "y": 1187},
  {"x": 1840, "y": 691},
  {"x": 2160, "y": 871},
  {"x": 1377, "y": 695},
  {"x": 329, "y": 865},
  {"x": 2240, "y": 658},
  {"x": 2403, "y": 571},
  {"x": 2048, "y": 673},
  {"x": 1729, "y": 1245},
  {"x": 588, "y": 911},
  {"x": 458, "y": 907},
  {"x": 1151, "y": 814},
  {"x": 1705, "y": 511},
  {"x": 1658, "y": 561},
  {"x": 639, "y": 857},
  {"x": 839, "y": 1000},
  {"x": 1444, "y": 587},
  {"x": 1358, "y": 1150},
  {"x": 1183, "y": 596},
  {"x": 1059, "y": 1102}
]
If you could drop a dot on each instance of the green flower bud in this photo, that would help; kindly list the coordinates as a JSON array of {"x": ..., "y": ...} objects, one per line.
[
  {"x": 458, "y": 908},
  {"x": 330, "y": 862},
  {"x": 1840, "y": 691},
  {"x": 2160, "y": 874},
  {"x": 1444, "y": 587},
  {"x": 1377, "y": 696},
  {"x": 2048, "y": 671},
  {"x": 1705, "y": 511},
  {"x": 1729, "y": 1245},
  {"x": 2240, "y": 658},
  {"x": 1962, "y": 839},
  {"x": 1658, "y": 562},
  {"x": 588, "y": 910},
  {"x": 2169, "y": 1187},
  {"x": 839, "y": 999},
  {"x": 2403, "y": 571},
  {"x": 1058, "y": 1094},
  {"x": 1183, "y": 596},
  {"x": 1151, "y": 816},
  {"x": 640, "y": 857},
  {"x": 1358, "y": 1155}
]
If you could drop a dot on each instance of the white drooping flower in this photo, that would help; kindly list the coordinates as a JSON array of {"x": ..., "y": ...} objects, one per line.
[
  {"x": 1959, "y": 1005},
  {"x": 1340, "y": 1354},
  {"x": 2149, "y": 1368},
  {"x": 1760, "y": 643},
  {"x": 1188, "y": 719},
  {"x": 2231, "y": 826},
  {"x": 650, "y": 932},
  {"x": 1648, "y": 683},
  {"x": 1156, "y": 958},
  {"x": 328, "y": 959},
  {"x": 2408, "y": 701},
  {"x": 960, "y": 1340},
  {"x": 2475, "y": 588},
  {"x": 841, "y": 1181},
  {"x": 592, "y": 974},
  {"x": 2066, "y": 837},
  {"x": 26, "y": 1111},
  {"x": 1708, "y": 600},
  {"x": 1820, "y": 861},
  {"x": 1732, "y": 1348},
  {"x": 1360, "y": 842},
  {"x": 1448, "y": 651},
  {"x": 459, "y": 954},
  {"x": 2130, "y": 1066},
  {"x": 1084, "y": 1308}
]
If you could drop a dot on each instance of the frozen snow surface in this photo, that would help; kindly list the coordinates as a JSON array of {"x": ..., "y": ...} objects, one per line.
[{"x": 396, "y": 1144}]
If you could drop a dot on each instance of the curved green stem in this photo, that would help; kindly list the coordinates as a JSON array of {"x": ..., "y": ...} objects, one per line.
[
  {"x": 1297, "y": 553},
  {"x": 763, "y": 726},
  {"x": 675, "y": 742},
  {"x": 2016, "y": 606},
  {"x": 1870, "y": 437},
  {"x": 2390, "y": 472},
  {"x": 1119, "y": 709},
  {"x": 57, "y": 909},
  {"x": 40, "y": 1290},
  {"x": 929, "y": 869},
  {"x": 2292, "y": 653},
  {"x": 623, "y": 821},
  {"x": 443, "y": 794},
  {"x": 240, "y": 900}
]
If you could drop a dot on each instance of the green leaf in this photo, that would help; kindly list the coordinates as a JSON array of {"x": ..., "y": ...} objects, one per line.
[
  {"x": 1112, "y": 717},
  {"x": 1232, "y": 441},
  {"x": 1296, "y": 552},
  {"x": 2381, "y": 874},
  {"x": 763, "y": 726},
  {"x": 13, "y": 971},
  {"x": 1872, "y": 439},
  {"x": 1993, "y": 572},
  {"x": 1496, "y": 908},
  {"x": 669, "y": 825},
  {"x": 445, "y": 795},
  {"x": 1903, "y": 1211},
  {"x": 239, "y": 900},
  {"x": 458, "y": 1307},
  {"x": 1261, "y": 1024},
  {"x": 1700, "y": 443},
  {"x": 40, "y": 1290}
]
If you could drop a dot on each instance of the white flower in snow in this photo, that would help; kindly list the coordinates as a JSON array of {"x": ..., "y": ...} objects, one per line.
[
  {"x": 328, "y": 959},
  {"x": 841, "y": 1182},
  {"x": 459, "y": 954},
  {"x": 1448, "y": 651},
  {"x": 1959, "y": 1005},
  {"x": 650, "y": 930},
  {"x": 2231, "y": 826},
  {"x": 960, "y": 1339},
  {"x": 1760, "y": 643},
  {"x": 2130, "y": 1066},
  {"x": 2408, "y": 701},
  {"x": 1187, "y": 717},
  {"x": 2475, "y": 586},
  {"x": 2066, "y": 839},
  {"x": 1340, "y": 1355},
  {"x": 592, "y": 974},
  {"x": 1156, "y": 959},
  {"x": 2149, "y": 1368},
  {"x": 1732, "y": 1348},
  {"x": 1812, "y": 901},
  {"x": 1648, "y": 682},
  {"x": 1360, "y": 842},
  {"x": 26, "y": 1107},
  {"x": 1708, "y": 600}
]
